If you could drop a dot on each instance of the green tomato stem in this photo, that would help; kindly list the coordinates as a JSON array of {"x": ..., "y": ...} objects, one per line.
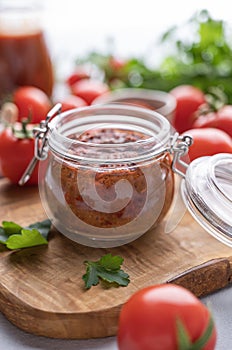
[{"x": 184, "y": 342}]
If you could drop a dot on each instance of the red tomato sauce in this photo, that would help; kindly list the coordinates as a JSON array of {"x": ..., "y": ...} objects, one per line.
[
  {"x": 24, "y": 60},
  {"x": 106, "y": 178}
]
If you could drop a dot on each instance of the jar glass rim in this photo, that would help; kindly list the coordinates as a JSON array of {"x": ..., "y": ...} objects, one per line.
[
  {"x": 218, "y": 171},
  {"x": 116, "y": 96},
  {"x": 83, "y": 119}
]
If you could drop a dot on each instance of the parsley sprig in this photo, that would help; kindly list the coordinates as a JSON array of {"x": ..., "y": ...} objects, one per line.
[
  {"x": 14, "y": 236},
  {"x": 107, "y": 269}
]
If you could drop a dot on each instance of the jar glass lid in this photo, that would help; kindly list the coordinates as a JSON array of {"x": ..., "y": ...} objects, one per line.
[{"x": 207, "y": 193}]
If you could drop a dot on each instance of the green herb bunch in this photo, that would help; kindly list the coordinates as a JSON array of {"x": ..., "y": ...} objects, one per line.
[{"x": 203, "y": 59}]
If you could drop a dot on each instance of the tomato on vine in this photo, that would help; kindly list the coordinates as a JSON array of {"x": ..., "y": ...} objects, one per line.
[
  {"x": 221, "y": 119},
  {"x": 16, "y": 151},
  {"x": 167, "y": 317}
]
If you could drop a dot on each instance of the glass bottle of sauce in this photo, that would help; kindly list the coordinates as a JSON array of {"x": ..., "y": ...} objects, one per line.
[{"x": 24, "y": 56}]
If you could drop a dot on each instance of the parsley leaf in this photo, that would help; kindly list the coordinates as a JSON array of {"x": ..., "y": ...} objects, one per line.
[
  {"x": 11, "y": 227},
  {"x": 15, "y": 237},
  {"x": 27, "y": 238},
  {"x": 3, "y": 236},
  {"x": 110, "y": 262},
  {"x": 91, "y": 276},
  {"x": 107, "y": 269},
  {"x": 42, "y": 226}
]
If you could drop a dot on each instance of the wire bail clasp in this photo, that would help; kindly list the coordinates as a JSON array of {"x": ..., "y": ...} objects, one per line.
[
  {"x": 179, "y": 147},
  {"x": 41, "y": 140}
]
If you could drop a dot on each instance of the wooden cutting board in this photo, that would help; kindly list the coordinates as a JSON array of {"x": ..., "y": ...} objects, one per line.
[{"x": 41, "y": 288}]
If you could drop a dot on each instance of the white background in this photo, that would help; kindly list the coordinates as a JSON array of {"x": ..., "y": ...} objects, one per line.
[{"x": 75, "y": 27}]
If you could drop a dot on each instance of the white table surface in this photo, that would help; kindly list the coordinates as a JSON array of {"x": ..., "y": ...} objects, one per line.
[{"x": 13, "y": 338}]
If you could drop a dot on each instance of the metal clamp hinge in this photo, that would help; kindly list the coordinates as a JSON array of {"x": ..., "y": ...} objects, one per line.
[
  {"x": 41, "y": 140},
  {"x": 179, "y": 147}
]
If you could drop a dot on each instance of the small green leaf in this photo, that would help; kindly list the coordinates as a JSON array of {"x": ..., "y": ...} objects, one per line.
[
  {"x": 43, "y": 227},
  {"x": 3, "y": 236},
  {"x": 27, "y": 238},
  {"x": 91, "y": 277},
  {"x": 15, "y": 237},
  {"x": 110, "y": 262},
  {"x": 107, "y": 269},
  {"x": 119, "y": 277},
  {"x": 11, "y": 227}
]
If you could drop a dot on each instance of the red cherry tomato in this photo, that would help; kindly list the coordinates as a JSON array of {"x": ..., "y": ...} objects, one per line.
[
  {"x": 208, "y": 141},
  {"x": 32, "y": 103},
  {"x": 148, "y": 320},
  {"x": 89, "y": 89},
  {"x": 188, "y": 100},
  {"x": 15, "y": 155},
  {"x": 79, "y": 73},
  {"x": 222, "y": 119},
  {"x": 116, "y": 63},
  {"x": 71, "y": 102}
]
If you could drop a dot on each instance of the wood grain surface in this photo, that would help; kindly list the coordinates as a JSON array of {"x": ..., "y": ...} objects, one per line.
[{"x": 41, "y": 288}]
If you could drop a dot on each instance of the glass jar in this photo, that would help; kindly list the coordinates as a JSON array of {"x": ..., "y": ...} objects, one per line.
[
  {"x": 108, "y": 178},
  {"x": 24, "y": 56},
  {"x": 107, "y": 175},
  {"x": 160, "y": 101}
]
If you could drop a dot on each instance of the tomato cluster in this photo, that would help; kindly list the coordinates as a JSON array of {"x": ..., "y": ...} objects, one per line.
[
  {"x": 84, "y": 86},
  {"x": 210, "y": 129},
  {"x": 28, "y": 106}
]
